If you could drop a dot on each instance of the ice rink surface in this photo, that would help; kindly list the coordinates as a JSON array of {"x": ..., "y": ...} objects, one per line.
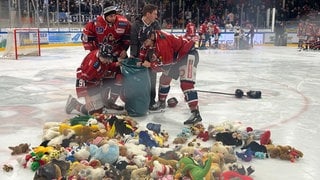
[{"x": 34, "y": 91}]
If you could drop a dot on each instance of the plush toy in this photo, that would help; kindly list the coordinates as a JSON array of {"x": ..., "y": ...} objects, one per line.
[
  {"x": 160, "y": 170},
  {"x": 50, "y": 130},
  {"x": 126, "y": 173},
  {"x": 255, "y": 147},
  {"x": 91, "y": 173},
  {"x": 170, "y": 162},
  {"x": 74, "y": 170},
  {"x": 187, "y": 151},
  {"x": 111, "y": 172},
  {"x": 20, "y": 149},
  {"x": 55, "y": 169},
  {"x": 63, "y": 139},
  {"x": 197, "y": 129},
  {"x": 135, "y": 149},
  {"x": 229, "y": 138},
  {"x": 204, "y": 136},
  {"x": 82, "y": 153},
  {"x": 284, "y": 152},
  {"x": 48, "y": 171},
  {"x": 145, "y": 139},
  {"x": 140, "y": 173},
  {"x": 246, "y": 156},
  {"x": 226, "y": 152},
  {"x": 230, "y": 175},
  {"x": 185, "y": 132},
  {"x": 154, "y": 127},
  {"x": 78, "y": 129},
  {"x": 196, "y": 171},
  {"x": 239, "y": 168},
  {"x": 107, "y": 153},
  {"x": 139, "y": 160},
  {"x": 7, "y": 167},
  {"x": 119, "y": 126},
  {"x": 216, "y": 165},
  {"x": 227, "y": 126},
  {"x": 179, "y": 140}
]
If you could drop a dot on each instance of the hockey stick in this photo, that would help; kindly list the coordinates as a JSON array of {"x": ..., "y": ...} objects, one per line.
[{"x": 238, "y": 93}]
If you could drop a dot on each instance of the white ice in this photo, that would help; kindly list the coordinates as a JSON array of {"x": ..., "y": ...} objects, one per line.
[{"x": 34, "y": 91}]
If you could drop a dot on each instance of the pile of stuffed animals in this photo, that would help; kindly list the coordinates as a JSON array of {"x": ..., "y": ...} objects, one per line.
[{"x": 107, "y": 146}]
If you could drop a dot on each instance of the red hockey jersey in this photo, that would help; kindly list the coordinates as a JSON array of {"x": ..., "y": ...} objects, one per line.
[{"x": 99, "y": 31}]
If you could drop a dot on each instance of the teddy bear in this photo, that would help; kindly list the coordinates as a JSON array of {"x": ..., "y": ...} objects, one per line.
[
  {"x": 74, "y": 170},
  {"x": 7, "y": 167},
  {"x": 179, "y": 140},
  {"x": 91, "y": 173},
  {"x": 216, "y": 165},
  {"x": 55, "y": 169},
  {"x": 283, "y": 152},
  {"x": 226, "y": 126},
  {"x": 141, "y": 173},
  {"x": 50, "y": 130},
  {"x": 82, "y": 152},
  {"x": 107, "y": 153},
  {"x": 20, "y": 149},
  {"x": 160, "y": 170},
  {"x": 226, "y": 152},
  {"x": 163, "y": 161}
]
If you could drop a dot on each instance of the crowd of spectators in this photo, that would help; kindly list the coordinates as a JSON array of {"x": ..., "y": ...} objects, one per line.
[{"x": 174, "y": 13}]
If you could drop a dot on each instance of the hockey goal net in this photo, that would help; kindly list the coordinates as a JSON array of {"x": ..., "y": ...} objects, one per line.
[{"x": 22, "y": 42}]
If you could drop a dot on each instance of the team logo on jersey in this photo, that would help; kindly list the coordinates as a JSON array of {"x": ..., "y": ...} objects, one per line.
[
  {"x": 122, "y": 24},
  {"x": 99, "y": 30},
  {"x": 96, "y": 65},
  {"x": 120, "y": 30},
  {"x": 109, "y": 39}
]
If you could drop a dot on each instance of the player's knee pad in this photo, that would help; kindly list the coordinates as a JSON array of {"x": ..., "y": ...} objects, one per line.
[
  {"x": 191, "y": 96},
  {"x": 163, "y": 91}
]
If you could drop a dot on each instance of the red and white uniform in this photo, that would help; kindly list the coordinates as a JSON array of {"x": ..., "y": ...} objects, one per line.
[
  {"x": 100, "y": 31},
  {"x": 176, "y": 58},
  {"x": 216, "y": 30},
  {"x": 203, "y": 29},
  {"x": 91, "y": 72},
  {"x": 190, "y": 30},
  {"x": 170, "y": 48}
]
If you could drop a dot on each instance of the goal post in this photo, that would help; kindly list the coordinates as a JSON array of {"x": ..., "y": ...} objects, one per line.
[{"x": 22, "y": 42}]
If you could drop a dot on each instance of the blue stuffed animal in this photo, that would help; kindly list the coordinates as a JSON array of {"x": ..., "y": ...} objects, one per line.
[{"x": 107, "y": 153}]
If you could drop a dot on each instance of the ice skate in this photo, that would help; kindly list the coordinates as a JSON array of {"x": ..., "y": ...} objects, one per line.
[
  {"x": 71, "y": 104},
  {"x": 158, "y": 106},
  {"x": 194, "y": 118},
  {"x": 112, "y": 105}
]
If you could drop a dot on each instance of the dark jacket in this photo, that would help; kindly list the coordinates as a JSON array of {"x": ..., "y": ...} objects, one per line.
[{"x": 139, "y": 33}]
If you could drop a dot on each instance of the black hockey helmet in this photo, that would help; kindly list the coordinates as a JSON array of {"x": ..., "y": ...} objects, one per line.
[
  {"x": 109, "y": 9},
  {"x": 105, "y": 51}
]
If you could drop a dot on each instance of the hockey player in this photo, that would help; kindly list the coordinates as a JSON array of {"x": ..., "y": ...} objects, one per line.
[
  {"x": 301, "y": 33},
  {"x": 203, "y": 35},
  {"x": 190, "y": 30},
  {"x": 251, "y": 34},
  {"x": 216, "y": 34},
  {"x": 113, "y": 29},
  {"x": 89, "y": 81},
  {"x": 175, "y": 57}
]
